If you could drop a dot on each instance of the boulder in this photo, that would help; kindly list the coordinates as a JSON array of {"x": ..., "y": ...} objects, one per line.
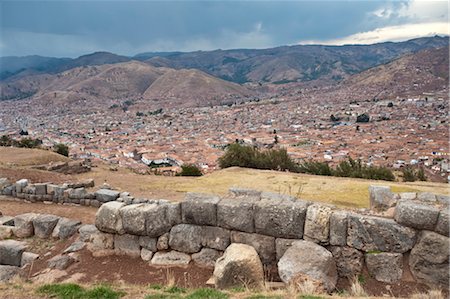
[
  {"x": 264, "y": 245},
  {"x": 11, "y": 252},
  {"x": 280, "y": 218},
  {"x": 106, "y": 195},
  {"x": 127, "y": 245},
  {"x": 146, "y": 255},
  {"x": 163, "y": 242},
  {"x": 416, "y": 215},
  {"x": 317, "y": 224},
  {"x": 170, "y": 258},
  {"x": 74, "y": 247},
  {"x": 239, "y": 266},
  {"x": 4, "y": 182},
  {"x": 443, "y": 225},
  {"x": 381, "y": 197},
  {"x": 101, "y": 241},
  {"x": 173, "y": 213},
  {"x": 385, "y": 266},
  {"x": 408, "y": 195},
  {"x": 6, "y": 232},
  {"x": 157, "y": 220},
  {"x": 20, "y": 185},
  {"x": 133, "y": 218},
  {"x": 429, "y": 260},
  {"x": 349, "y": 261},
  {"x": 426, "y": 196},
  {"x": 443, "y": 199},
  {"x": 61, "y": 262},
  {"x": 108, "y": 218},
  {"x": 65, "y": 228},
  {"x": 186, "y": 238},
  {"x": 207, "y": 257},
  {"x": 77, "y": 193},
  {"x": 23, "y": 225},
  {"x": 281, "y": 245},
  {"x": 370, "y": 233},
  {"x": 338, "y": 228},
  {"x": 235, "y": 214},
  {"x": 307, "y": 261},
  {"x": 148, "y": 243},
  {"x": 44, "y": 225},
  {"x": 86, "y": 231},
  {"x": 200, "y": 209},
  {"x": 41, "y": 189},
  {"x": 7, "y": 273},
  {"x": 9, "y": 190},
  {"x": 7, "y": 220},
  {"x": 28, "y": 258},
  {"x": 215, "y": 237}
]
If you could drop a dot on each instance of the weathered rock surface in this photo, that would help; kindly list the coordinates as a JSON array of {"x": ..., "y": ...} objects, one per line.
[
  {"x": 106, "y": 195},
  {"x": 23, "y": 225},
  {"x": 28, "y": 258},
  {"x": 264, "y": 245},
  {"x": 146, "y": 255},
  {"x": 338, "y": 228},
  {"x": 443, "y": 224},
  {"x": 426, "y": 196},
  {"x": 416, "y": 215},
  {"x": 6, "y": 232},
  {"x": 207, "y": 257},
  {"x": 429, "y": 259},
  {"x": 101, "y": 241},
  {"x": 306, "y": 260},
  {"x": 86, "y": 231},
  {"x": 281, "y": 245},
  {"x": 44, "y": 225},
  {"x": 349, "y": 261},
  {"x": 385, "y": 266},
  {"x": 317, "y": 224},
  {"x": 65, "y": 228},
  {"x": 235, "y": 214},
  {"x": 9, "y": 272},
  {"x": 108, "y": 218},
  {"x": 61, "y": 262},
  {"x": 245, "y": 193},
  {"x": 370, "y": 233},
  {"x": 186, "y": 238},
  {"x": 163, "y": 242},
  {"x": 11, "y": 252},
  {"x": 171, "y": 258},
  {"x": 215, "y": 237},
  {"x": 148, "y": 243},
  {"x": 200, "y": 209},
  {"x": 381, "y": 197},
  {"x": 239, "y": 266},
  {"x": 127, "y": 245},
  {"x": 74, "y": 247}
]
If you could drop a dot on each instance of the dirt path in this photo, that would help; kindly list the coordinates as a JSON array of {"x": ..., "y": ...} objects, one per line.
[{"x": 12, "y": 207}]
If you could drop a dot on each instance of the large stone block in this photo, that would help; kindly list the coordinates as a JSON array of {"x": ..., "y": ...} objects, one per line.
[
  {"x": 127, "y": 245},
  {"x": 416, "y": 215},
  {"x": 101, "y": 241},
  {"x": 200, "y": 209},
  {"x": 385, "y": 266},
  {"x": 236, "y": 214},
  {"x": 86, "y": 232},
  {"x": 157, "y": 221},
  {"x": 41, "y": 189},
  {"x": 186, "y": 238},
  {"x": 78, "y": 193},
  {"x": 245, "y": 193},
  {"x": 443, "y": 225},
  {"x": 170, "y": 258},
  {"x": 277, "y": 196},
  {"x": 281, "y": 245},
  {"x": 280, "y": 218},
  {"x": 264, "y": 245},
  {"x": 106, "y": 195},
  {"x": 338, "y": 228},
  {"x": 8, "y": 273},
  {"x": 215, "y": 237},
  {"x": 381, "y": 197},
  {"x": 11, "y": 252},
  {"x": 44, "y": 225},
  {"x": 20, "y": 185},
  {"x": 370, "y": 233},
  {"x": 148, "y": 243},
  {"x": 349, "y": 261},
  {"x": 109, "y": 219},
  {"x": 207, "y": 257},
  {"x": 133, "y": 218},
  {"x": 429, "y": 260},
  {"x": 173, "y": 212},
  {"x": 317, "y": 223},
  {"x": 427, "y": 196},
  {"x": 65, "y": 228},
  {"x": 306, "y": 260},
  {"x": 23, "y": 225},
  {"x": 6, "y": 232}
]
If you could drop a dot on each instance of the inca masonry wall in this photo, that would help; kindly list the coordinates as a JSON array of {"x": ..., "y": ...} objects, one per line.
[{"x": 414, "y": 239}]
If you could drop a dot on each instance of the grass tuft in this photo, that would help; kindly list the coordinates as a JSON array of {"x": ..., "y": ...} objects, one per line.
[
  {"x": 163, "y": 296},
  {"x": 175, "y": 290},
  {"x": 206, "y": 293},
  {"x": 264, "y": 297},
  {"x": 74, "y": 291}
]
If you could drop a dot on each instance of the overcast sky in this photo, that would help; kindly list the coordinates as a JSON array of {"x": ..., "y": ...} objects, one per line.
[{"x": 74, "y": 28}]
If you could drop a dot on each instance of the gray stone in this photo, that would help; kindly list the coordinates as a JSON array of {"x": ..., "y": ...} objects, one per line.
[
  {"x": 148, "y": 243},
  {"x": 61, "y": 262},
  {"x": 41, "y": 189},
  {"x": 200, "y": 209},
  {"x": 173, "y": 212},
  {"x": 370, "y": 233},
  {"x": 127, "y": 245},
  {"x": 186, "y": 238},
  {"x": 349, "y": 261},
  {"x": 264, "y": 245},
  {"x": 30, "y": 189},
  {"x": 408, "y": 195},
  {"x": 280, "y": 218},
  {"x": 109, "y": 219},
  {"x": 7, "y": 273},
  {"x": 9, "y": 190},
  {"x": 281, "y": 245},
  {"x": 101, "y": 241},
  {"x": 338, "y": 228},
  {"x": 207, "y": 257},
  {"x": 51, "y": 189},
  {"x": 74, "y": 247},
  {"x": 7, "y": 220},
  {"x": 65, "y": 228},
  {"x": 429, "y": 260},
  {"x": 381, "y": 197},
  {"x": 443, "y": 199},
  {"x": 317, "y": 223},
  {"x": 277, "y": 196},
  {"x": 170, "y": 258},
  {"x": 106, "y": 195},
  {"x": 385, "y": 266},
  {"x": 6, "y": 232},
  {"x": 23, "y": 225},
  {"x": 11, "y": 252},
  {"x": 95, "y": 203},
  {"x": 215, "y": 237},
  {"x": 28, "y": 258},
  {"x": 306, "y": 260},
  {"x": 416, "y": 215},
  {"x": 244, "y": 192},
  {"x": 44, "y": 225},
  {"x": 86, "y": 231},
  {"x": 146, "y": 255},
  {"x": 78, "y": 193},
  {"x": 443, "y": 225},
  {"x": 235, "y": 214},
  {"x": 163, "y": 242},
  {"x": 133, "y": 218},
  {"x": 239, "y": 266},
  {"x": 4, "y": 182},
  {"x": 146, "y": 219},
  {"x": 20, "y": 185},
  {"x": 426, "y": 196}
]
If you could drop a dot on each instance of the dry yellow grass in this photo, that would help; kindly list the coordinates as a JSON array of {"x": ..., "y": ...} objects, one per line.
[
  {"x": 347, "y": 192},
  {"x": 12, "y": 156}
]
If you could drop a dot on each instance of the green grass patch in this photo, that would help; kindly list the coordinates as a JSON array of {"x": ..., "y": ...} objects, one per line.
[
  {"x": 163, "y": 296},
  {"x": 237, "y": 289},
  {"x": 175, "y": 290},
  {"x": 264, "y": 297},
  {"x": 74, "y": 291},
  {"x": 206, "y": 293},
  {"x": 309, "y": 297},
  {"x": 155, "y": 287}
]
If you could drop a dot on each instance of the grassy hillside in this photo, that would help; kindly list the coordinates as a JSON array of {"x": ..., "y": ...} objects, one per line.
[{"x": 13, "y": 156}]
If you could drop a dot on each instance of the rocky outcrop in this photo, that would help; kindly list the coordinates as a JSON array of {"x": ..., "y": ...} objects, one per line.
[{"x": 385, "y": 267}]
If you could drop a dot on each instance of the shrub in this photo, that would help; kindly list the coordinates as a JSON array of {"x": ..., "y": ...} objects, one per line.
[
  {"x": 409, "y": 174},
  {"x": 421, "y": 175},
  {"x": 190, "y": 170},
  {"x": 29, "y": 143},
  {"x": 316, "y": 167},
  {"x": 61, "y": 149}
]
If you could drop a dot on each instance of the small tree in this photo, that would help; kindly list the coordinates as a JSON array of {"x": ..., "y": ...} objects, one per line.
[
  {"x": 408, "y": 174},
  {"x": 61, "y": 149},
  {"x": 190, "y": 170},
  {"x": 421, "y": 175}
]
